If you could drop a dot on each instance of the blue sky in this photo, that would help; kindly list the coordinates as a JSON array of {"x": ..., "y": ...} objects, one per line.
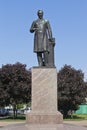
[{"x": 68, "y": 19}]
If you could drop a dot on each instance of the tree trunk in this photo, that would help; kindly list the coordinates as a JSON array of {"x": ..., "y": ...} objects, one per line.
[{"x": 14, "y": 111}]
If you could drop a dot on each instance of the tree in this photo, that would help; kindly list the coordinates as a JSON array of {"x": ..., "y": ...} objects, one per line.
[
  {"x": 3, "y": 94},
  {"x": 70, "y": 89},
  {"x": 85, "y": 93},
  {"x": 16, "y": 82}
]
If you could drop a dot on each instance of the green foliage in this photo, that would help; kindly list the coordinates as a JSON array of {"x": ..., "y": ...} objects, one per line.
[
  {"x": 29, "y": 104},
  {"x": 70, "y": 89},
  {"x": 20, "y": 106}
]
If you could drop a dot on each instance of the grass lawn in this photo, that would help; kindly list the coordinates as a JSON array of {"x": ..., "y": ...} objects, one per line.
[
  {"x": 22, "y": 118},
  {"x": 78, "y": 117},
  {"x": 11, "y": 119}
]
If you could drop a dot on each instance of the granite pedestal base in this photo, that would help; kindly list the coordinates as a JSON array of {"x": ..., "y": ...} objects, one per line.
[
  {"x": 44, "y": 118},
  {"x": 44, "y": 97}
]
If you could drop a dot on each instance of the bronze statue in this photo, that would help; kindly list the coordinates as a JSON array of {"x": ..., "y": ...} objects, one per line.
[{"x": 43, "y": 41}]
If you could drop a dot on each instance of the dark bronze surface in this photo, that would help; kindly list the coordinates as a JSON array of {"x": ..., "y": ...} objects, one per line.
[{"x": 43, "y": 41}]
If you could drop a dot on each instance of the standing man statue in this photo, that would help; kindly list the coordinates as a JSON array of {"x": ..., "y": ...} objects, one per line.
[{"x": 42, "y": 40}]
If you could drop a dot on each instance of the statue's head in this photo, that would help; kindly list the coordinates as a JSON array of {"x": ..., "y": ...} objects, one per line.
[{"x": 40, "y": 14}]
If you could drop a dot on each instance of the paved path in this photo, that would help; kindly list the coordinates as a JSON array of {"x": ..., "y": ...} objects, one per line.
[
  {"x": 24, "y": 126},
  {"x": 5, "y": 123},
  {"x": 79, "y": 123}
]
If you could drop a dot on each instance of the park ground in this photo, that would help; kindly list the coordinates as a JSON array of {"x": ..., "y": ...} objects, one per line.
[
  {"x": 79, "y": 120},
  {"x": 79, "y": 123}
]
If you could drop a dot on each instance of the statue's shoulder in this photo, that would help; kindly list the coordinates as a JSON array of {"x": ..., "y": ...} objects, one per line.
[
  {"x": 45, "y": 20},
  {"x": 35, "y": 21}
]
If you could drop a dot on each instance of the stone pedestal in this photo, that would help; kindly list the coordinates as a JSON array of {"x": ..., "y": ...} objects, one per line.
[{"x": 44, "y": 97}]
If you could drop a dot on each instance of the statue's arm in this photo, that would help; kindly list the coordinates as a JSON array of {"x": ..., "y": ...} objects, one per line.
[
  {"x": 32, "y": 29},
  {"x": 49, "y": 30}
]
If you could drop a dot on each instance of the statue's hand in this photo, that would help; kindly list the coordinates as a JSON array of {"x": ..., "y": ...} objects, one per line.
[
  {"x": 52, "y": 40},
  {"x": 32, "y": 30}
]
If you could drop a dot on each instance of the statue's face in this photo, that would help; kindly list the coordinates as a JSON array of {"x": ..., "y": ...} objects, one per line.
[{"x": 40, "y": 15}]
